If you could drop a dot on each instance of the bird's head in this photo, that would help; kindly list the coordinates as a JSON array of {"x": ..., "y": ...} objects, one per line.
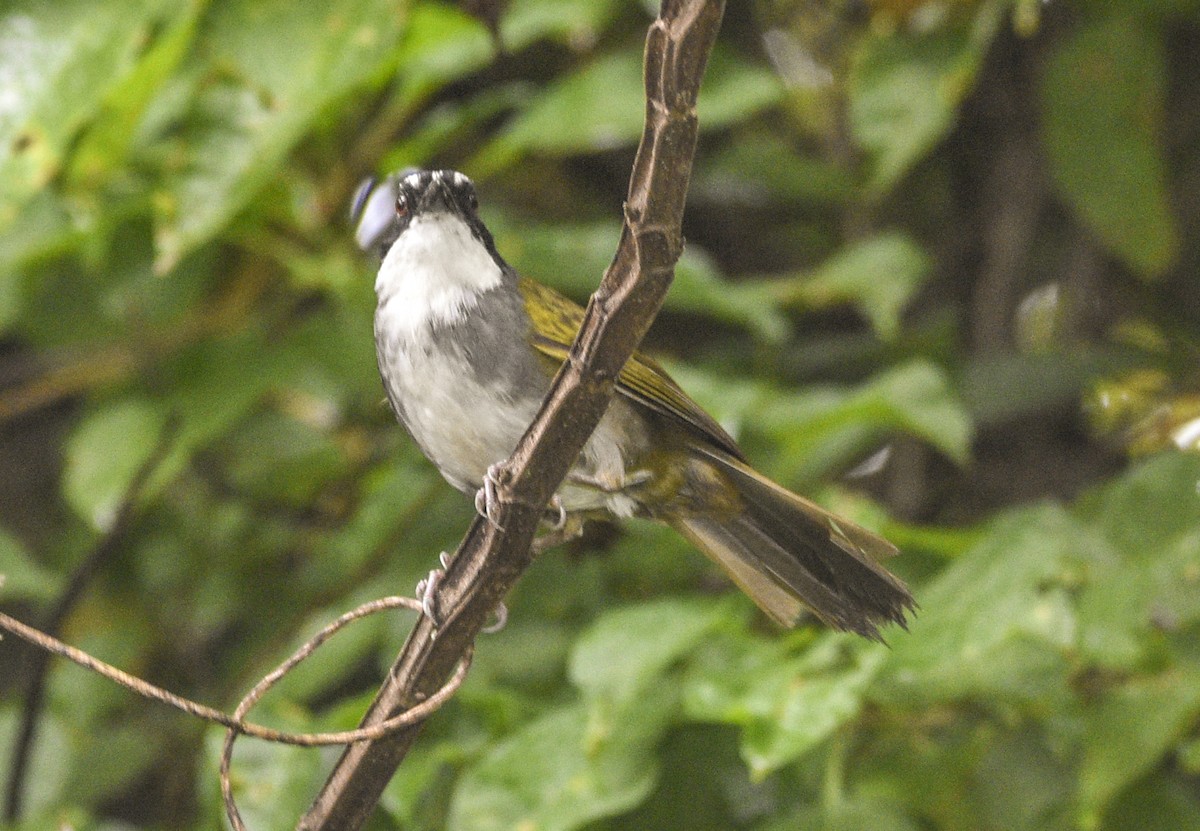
[
  {"x": 436, "y": 255},
  {"x": 384, "y": 209}
]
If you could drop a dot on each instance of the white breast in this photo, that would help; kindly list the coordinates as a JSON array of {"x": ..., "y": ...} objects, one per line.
[{"x": 432, "y": 275}]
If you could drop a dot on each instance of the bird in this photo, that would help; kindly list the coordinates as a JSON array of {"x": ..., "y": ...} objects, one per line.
[{"x": 467, "y": 349}]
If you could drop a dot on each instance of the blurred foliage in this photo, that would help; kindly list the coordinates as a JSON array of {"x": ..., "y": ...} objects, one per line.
[{"x": 940, "y": 254}]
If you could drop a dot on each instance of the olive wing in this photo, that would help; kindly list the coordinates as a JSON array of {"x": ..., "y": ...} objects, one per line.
[{"x": 642, "y": 380}]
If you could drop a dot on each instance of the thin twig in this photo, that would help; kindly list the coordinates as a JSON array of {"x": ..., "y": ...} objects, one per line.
[
  {"x": 107, "y": 545},
  {"x": 236, "y": 722},
  {"x": 413, "y": 715},
  {"x": 489, "y": 561}
]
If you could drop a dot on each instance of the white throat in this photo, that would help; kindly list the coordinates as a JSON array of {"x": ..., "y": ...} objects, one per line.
[{"x": 432, "y": 275}]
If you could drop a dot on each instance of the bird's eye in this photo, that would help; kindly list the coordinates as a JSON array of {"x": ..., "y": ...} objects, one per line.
[
  {"x": 473, "y": 200},
  {"x": 402, "y": 206}
]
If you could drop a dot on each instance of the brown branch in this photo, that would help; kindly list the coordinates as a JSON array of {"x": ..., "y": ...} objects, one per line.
[{"x": 489, "y": 561}]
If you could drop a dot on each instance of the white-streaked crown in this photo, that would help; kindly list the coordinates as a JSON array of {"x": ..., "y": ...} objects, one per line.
[{"x": 414, "y": 179}]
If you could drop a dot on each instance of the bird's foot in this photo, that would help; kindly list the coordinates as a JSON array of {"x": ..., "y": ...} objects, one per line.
[
  {"x": 487, "y": 502},
  {"x": 565, "y": 528},
  {"x": 427, "y": 591},
  {"x": 558, "y": 513},
  {"x": 427, "y": 594}
]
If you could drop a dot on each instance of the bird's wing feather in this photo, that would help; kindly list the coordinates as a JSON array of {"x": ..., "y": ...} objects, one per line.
[{"x": 642, "y": 380}]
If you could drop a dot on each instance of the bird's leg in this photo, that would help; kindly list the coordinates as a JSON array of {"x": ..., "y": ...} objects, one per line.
[
  {"x": 427, "y": 593},
  {"x": 605, "y": 485},
  {"x": 486, "y": 500},
  {"x": 562, "y": 528}
]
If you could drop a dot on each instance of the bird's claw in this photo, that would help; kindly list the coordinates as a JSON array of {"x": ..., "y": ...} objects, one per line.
[
  {"x": 501, "y": 613},
  {"x": 427, "y": 595},
  {"x": 487, "y": 501},
  {"x": 559, "y": 512},
  {"x": 566, "y": 529},
  {"x": 427, "y": 591}
]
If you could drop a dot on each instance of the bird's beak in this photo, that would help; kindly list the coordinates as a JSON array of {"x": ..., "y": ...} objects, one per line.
[{"x": 436, "y": 198}]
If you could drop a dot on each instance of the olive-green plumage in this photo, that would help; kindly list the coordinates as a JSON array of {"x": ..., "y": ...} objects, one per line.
[
  {"x": 779, "y": 547},
  {"x": 467, "y": 350}
]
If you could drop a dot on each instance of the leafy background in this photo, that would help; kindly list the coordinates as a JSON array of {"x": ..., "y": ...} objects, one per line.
[{"x": 940, "y": 274}]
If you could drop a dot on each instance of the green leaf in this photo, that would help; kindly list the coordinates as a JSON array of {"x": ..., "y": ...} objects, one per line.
[
  {"x": 998, "y": 623},
  {"x": 49, "y": 762},
  {"x": 1131, "y": 729},
  {"x": 336, "y": 660},
  {"x": 762, "y": 167},
  {"x": 700, "y": 288},
  {"x": 820, "y": 426},
  {"x": 1021, "y": 759},
  {"x": 20, "y": 575},
  {"x": 879, "y": 275},
  {"x": 905, "y": 90},
  {"x": 567, "y": 21},
  {"x": 845, "y": 815},
  {"x": 1152, "y": 506},
  {"x": 440, "y": 43},
  {"x": 824, "y": 427},
  {"x": 279, "y": 70},
  {"x": 1000, "y": 388},
  {"x": 1155, "y": 804},
  {"x": 552, "y": 776},
  {"x": 1189, "y": 756},
  {"x": 1151, "y": 579},
  {"x": 274, "y": 457},
  {"x": 1103, "y": 98},
  {"x": 589, "y": 110},
  {"x": 105, "y": 453},
  {"x": 42, "y": 226},
  {"x": 110, "y": 758},
  {"x": 573, "y": 257},
  {"x": 621, "y": 664},
  {"x": 1125, "y": 602},
  {"x": 918, "y": 397},
  {"x": 452, "y": 123},
  {"x": 58, "y": 62},
  {"x": 786, "y": 704},
  {"x": 107, "y": 146},
  {"x": 390, "y": 497},
  {"x": 215, "y": 385},
  {"x": 703, "y": 785},
  {"x": 734, "y": 90},
  {"x": 416, "y": 795},
  {"x": 529, "y": 655},
  {"x": 628, "y": 649},
  {"x": 10, "y": 296}
]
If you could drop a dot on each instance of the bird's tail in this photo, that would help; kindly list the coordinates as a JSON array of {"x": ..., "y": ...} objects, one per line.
[{"x": 789, "y": 554}]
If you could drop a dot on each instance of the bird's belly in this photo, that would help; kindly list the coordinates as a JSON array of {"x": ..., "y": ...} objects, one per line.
[
  {"x": 462, "y": 422},
  {"x": 465, "y": 422}
]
